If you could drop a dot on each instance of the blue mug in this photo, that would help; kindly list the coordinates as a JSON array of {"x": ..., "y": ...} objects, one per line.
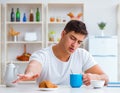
[{"x": 76, "y": 80}]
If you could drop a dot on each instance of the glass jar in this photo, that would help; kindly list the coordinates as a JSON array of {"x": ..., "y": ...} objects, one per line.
[{"x": 52, "y": 19}]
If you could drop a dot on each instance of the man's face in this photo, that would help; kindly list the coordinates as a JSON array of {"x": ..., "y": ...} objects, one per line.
[{"x": 71, "y": 41}]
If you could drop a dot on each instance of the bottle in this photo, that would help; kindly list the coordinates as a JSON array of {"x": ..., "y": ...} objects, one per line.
[
  {"x": 31, "y": 17},
  {"x": 24, "y": 18},
  {"x": 12, "y": 16},
  {"x": 17, "y": 15},
  {"x": 37, "y": 15}
]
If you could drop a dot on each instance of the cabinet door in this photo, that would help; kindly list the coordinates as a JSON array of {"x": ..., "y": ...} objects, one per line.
[
  {"x": 57, "y": 18},
  {"x": 14, "y": 44},
  {"x": 109, "y": 66},
  {"x": 104, "y": 50},
  {"x": 103, "y": 45}
]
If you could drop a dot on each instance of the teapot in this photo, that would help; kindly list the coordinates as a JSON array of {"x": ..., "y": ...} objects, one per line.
[{"x": 10, "y": 75}]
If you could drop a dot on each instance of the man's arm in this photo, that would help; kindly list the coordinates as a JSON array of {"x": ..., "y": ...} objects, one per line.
[
  {"x": 94, "y": 73},
  {"x": 33, "y": 67},
  {"x": 32, "y": 72}
]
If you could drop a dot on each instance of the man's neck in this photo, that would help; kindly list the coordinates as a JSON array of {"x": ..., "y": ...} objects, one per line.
[{"x": 60, "y": 53}]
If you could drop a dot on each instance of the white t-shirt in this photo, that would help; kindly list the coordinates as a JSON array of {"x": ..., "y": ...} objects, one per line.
[{"x": 57, "y": 71}]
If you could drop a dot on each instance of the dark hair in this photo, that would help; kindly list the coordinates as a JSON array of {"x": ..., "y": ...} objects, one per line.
[{"x": 76, "y": 26}]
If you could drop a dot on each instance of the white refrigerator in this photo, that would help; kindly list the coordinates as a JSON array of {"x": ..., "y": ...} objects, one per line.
[{"x": 104, "y": 49}]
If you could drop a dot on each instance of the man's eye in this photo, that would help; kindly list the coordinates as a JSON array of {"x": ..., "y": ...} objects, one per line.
[
  {"x": 79, "y": 42},
  {"x": 72, "y": 38}
]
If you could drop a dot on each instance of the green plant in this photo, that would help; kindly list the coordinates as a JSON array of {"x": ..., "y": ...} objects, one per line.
[
  {"x": 101, "y": 25},
  {"x": 52, "y": 35},
  {"x": 52, "y": 32}
]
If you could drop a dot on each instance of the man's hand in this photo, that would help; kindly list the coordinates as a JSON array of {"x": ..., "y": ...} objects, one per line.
[
  {"x": 26, "y": 77},
  {"x": 86, "y": 79}
]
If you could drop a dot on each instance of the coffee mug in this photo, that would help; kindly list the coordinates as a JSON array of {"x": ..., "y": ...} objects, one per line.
[{"x": 76, "y": 80}]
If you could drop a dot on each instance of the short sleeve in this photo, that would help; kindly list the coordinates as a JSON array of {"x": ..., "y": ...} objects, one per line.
[
  {"x": 88, "y": 60},
  {"x": 38, "y": 56}
]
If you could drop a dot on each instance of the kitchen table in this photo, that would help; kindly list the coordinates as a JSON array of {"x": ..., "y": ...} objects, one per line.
[{"x": 32, "y": 88}]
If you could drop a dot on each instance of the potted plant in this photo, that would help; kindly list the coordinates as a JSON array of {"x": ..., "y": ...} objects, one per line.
[
  {"x": 102, "y": 26},
  {"x": 52, "y": 36}
]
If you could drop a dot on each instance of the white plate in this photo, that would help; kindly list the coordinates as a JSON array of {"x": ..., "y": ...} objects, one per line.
[{"x": 48, "y": 89}]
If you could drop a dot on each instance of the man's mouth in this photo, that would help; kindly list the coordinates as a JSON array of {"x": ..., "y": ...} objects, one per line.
[{"x": 71, "y": 49}]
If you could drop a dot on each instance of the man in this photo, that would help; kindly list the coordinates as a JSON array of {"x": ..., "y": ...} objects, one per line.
[{"x": 57, "y": 62}]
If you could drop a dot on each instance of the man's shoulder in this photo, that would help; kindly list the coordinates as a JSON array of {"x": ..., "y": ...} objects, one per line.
[
  {"x": 43, "y": 50},
  {"x": 81, "y": 50}
]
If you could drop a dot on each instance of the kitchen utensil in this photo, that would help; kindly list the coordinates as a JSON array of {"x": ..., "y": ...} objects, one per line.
[{"x": 10, "y": 75}]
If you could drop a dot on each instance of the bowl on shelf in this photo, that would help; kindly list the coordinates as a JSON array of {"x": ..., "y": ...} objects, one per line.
[{"x": 97, "y": 83}]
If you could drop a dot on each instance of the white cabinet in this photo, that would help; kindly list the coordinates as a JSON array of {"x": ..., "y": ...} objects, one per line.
[
  {"x": 106, "y": 45},
  {"x": 57, "y": 17},
  {"x": 110, "y": 66},
  {"x": 14, "y": 46},
  {"x": 105, "y": 51}
]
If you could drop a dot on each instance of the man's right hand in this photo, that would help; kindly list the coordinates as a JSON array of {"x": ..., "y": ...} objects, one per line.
[{"x": 26, "y": 77}]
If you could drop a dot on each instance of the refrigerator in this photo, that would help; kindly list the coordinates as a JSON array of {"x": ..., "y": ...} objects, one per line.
[{"x": 104, "y": 49}]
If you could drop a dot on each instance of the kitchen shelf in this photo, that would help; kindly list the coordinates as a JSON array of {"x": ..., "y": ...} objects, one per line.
[
  {"x": 23, "y": 23},
  {"x": 18, "y": 62},
  {"x": 59, "y": 12},
  {"x": 41, "y": 28},
  {"x": 17, "y": 47},
  {"x": 24, "y": 42},
  {"x": 57, "y": 23}
]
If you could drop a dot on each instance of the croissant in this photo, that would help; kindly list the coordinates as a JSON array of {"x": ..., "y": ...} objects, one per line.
[{"x": 47, "y": 84}]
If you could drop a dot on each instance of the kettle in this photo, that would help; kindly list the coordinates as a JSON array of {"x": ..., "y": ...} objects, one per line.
[{"x": 10, "y": 75}]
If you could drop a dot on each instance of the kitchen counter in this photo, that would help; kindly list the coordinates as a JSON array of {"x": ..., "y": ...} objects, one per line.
[{"x": 32, "y": 88}]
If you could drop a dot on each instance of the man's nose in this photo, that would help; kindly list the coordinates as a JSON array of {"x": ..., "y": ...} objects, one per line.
[{"x": 75, "y": 43}]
